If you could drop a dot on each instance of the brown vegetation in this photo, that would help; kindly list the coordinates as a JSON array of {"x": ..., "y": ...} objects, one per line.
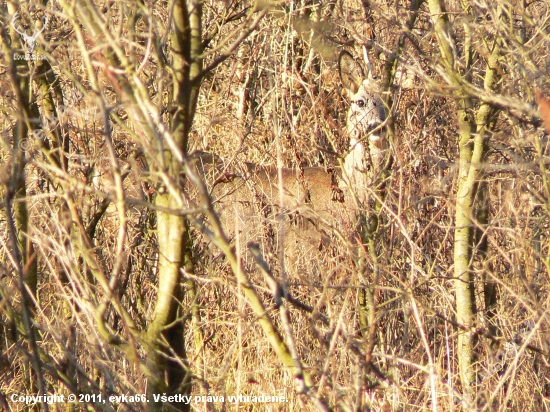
[{"x": 127, "y": 270}]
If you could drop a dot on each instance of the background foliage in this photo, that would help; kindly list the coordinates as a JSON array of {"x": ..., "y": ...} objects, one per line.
[{"x": 78, "y": 184}]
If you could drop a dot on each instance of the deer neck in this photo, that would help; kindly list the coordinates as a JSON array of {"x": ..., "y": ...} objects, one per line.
[{"x": 355, "y": 168}]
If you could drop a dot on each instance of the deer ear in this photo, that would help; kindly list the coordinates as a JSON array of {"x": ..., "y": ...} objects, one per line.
[
  {"x": 347, "y": 93},
  {"x": 351, "y": 72}
]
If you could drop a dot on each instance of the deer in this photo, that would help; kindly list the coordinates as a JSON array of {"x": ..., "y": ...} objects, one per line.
[{"x": 315, "y": 200}]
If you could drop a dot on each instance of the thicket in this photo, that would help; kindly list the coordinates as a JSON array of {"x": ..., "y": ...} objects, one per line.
[{"x": 118, "y": 279}]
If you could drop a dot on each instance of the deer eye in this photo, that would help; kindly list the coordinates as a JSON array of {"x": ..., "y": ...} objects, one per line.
[{"x": 360, "y": 103}]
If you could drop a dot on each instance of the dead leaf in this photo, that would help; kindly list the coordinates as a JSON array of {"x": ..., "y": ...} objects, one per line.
[{"x": 544, "y": 107}]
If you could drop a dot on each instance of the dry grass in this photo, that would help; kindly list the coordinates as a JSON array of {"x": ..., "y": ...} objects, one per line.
[{"x": 301, "y": 108}]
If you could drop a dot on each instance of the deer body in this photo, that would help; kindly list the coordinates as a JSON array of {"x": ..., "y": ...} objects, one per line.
[{"x": 249, "y": 201}]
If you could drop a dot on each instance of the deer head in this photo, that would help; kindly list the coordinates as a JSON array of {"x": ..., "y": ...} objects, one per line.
[{"x": 366, "y": 116}]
